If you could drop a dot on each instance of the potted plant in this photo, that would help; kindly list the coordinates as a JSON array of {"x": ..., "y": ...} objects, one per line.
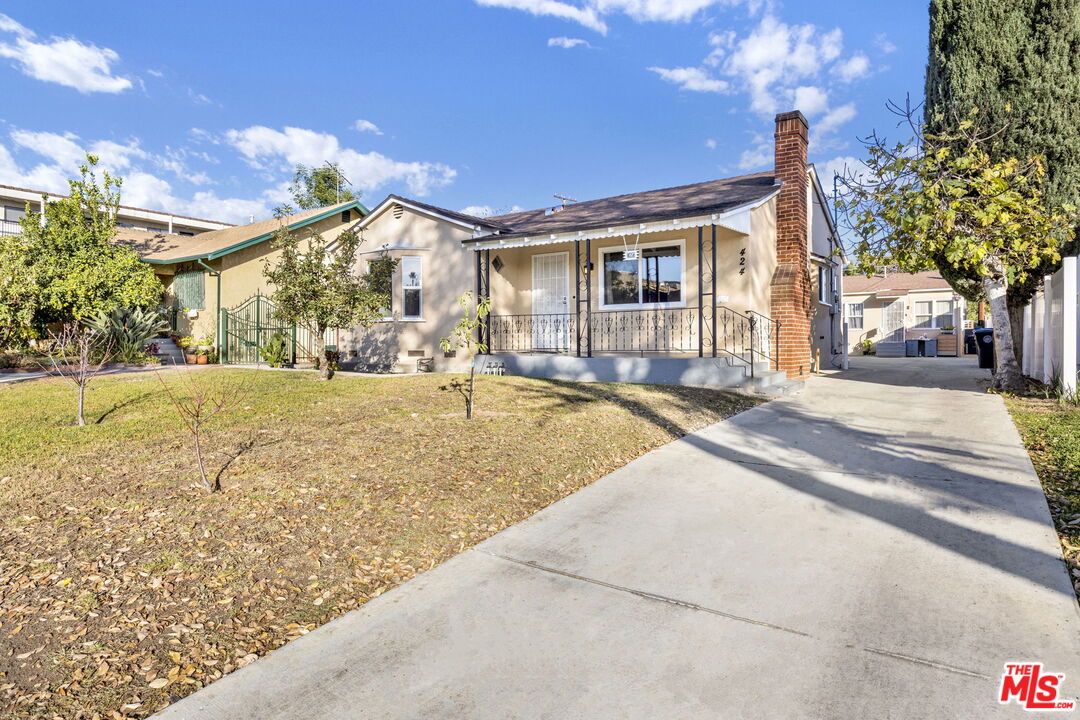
[
  {"x": 948, "y": 329},
  {"x": 187, "y": 344},
  {"x": 202, "y": 356}
]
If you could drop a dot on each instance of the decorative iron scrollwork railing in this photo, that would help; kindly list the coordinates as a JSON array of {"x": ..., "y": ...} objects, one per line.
[{"x": 745, "y": 337}]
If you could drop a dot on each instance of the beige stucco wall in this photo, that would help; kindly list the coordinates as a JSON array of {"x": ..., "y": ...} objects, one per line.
[
  {"x": 448, "y": 272},
  {"x": 873, "y": 316},
  {"x": 241, "y": 276}
]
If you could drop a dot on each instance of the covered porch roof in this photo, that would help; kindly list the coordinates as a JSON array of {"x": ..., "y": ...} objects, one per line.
[{"x": 725, "y": 202}]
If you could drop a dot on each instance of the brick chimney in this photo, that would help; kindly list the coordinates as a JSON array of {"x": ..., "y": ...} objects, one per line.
[{"x": 792, "y": 294}]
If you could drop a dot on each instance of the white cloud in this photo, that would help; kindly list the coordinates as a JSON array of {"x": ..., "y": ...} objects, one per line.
[
  {"x": 835, "y": 118},
  {"x": 711, "y": 144},
  {"x": 367, "y": 171},
  {"x": 759, "y": 155},
  {"x": 811, "y": 100},
  {"x": 567, "y": 42},
  {"x": 586, "y": 16},
  {"x": 691, "y": 78},
  {"x": 362, "y": 125},
  {"x": 855, "y": 67},
  {"x": 882, "y": 43},
  {"x": 591, "y": 13},
  {"x": 775, "y": 56},
  {"x": 482, "y": 211},
  {"x": 64, "y": 61},
  {"x": 198, "y": 98}
]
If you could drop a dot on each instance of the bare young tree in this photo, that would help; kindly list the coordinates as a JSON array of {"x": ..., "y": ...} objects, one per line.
[
  {"x": 199, "y": 400},
  {"x": 78, "y": 355}
]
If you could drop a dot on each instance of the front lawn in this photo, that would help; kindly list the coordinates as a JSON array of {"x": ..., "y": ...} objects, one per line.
[
  {"x": 122, "y": 583},
  {"x": 1051, "y": 433}
]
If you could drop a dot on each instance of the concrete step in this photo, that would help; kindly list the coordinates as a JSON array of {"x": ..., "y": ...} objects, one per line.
[
  {"x": 169, "y": 351},
  {"x": 772, "y": 382}
]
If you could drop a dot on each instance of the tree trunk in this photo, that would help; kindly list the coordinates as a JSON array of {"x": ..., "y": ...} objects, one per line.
[
  {"x": 1008, "y": 376},
  {"x": 325, "y": 371},
  {"x": 82, "y": 394},
  {"x": 198, "y": 457},
  {"x": 472, "y": 386},
  {"x": 1016, "y": 325}
]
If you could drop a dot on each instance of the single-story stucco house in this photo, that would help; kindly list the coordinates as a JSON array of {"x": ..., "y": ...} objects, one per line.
[
  {"x": 223, "y": 269},
  {"x": 708, "y": 283},
  {"x": 888, "y": 310}
]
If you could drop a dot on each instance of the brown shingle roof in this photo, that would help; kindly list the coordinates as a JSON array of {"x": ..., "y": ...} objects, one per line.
[
  {"x": 684, "y": 201},
  {"x": 161, "y": 248},
  {"x": 895, "y": 282}
]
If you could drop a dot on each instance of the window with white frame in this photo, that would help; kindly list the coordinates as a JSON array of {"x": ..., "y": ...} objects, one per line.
[
  {"x": 924, "y": 314},
  {"x": 855, "y": 316},
  {"x": 654, "y": 277},
  {"x": 412, "y": 288},
  {"x": 943, "y": 317}
]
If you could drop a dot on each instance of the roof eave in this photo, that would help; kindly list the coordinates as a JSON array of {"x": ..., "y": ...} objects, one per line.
[{"x": 214, "y": 255}]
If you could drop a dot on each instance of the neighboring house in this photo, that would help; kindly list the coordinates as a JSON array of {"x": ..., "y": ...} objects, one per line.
[
  {"x": 14, "y": 201},
  {"x": 223, "y": 269},
  {"x": 890, "y": 309},
  {"x": 686, "y": 284}
]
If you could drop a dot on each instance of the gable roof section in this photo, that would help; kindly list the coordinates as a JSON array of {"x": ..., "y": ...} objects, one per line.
[
  {"x": 897, "y": 283},
  {"x": 704, "y": 198},
  {"x": 469, "y": 222},
  {"x": 163, "y": 249}
]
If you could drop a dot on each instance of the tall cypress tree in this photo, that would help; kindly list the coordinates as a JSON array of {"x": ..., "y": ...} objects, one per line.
[{"x": 1018, "y": 64}]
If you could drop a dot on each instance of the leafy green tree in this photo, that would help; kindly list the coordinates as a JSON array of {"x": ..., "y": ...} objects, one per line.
[
  {"x": 317, "y": 288},
  {"x": 1017, "y": 63},
  {"x": 78, "y": 268},
  {"x": 19, "y": 293},
  {"x": 318, "y": 187},
  {"x": 465, "y": 335},
  {"x": 941, "y": 196}
]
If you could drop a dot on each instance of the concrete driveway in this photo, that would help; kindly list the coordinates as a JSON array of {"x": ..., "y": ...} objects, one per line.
[{"x": 876, "y": 546}]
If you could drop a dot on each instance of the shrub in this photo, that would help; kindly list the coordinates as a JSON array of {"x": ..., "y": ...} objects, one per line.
[
  {"x": 128, "y": 330},
  {"x": 276, "y": 350}
]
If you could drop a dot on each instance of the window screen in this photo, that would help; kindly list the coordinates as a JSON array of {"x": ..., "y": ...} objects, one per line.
[{"x": 190, "y": 289}]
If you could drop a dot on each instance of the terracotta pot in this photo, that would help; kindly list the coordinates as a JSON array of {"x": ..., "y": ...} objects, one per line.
[
  {"x": 191, "y": 358},
  {"x": 202, "y": 359}
]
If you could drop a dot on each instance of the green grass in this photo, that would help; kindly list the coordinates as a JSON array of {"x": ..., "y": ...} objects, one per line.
[
  {"x": 119, "y": 574},
  {"x": 1051, "y": 433}
]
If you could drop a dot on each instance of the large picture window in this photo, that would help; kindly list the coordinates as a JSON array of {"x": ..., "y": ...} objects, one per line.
[
  {"x": 930, "y": 315},
  {"x": 412, "y": 288},
  {"x": 855, "y": 316},
  {"x": 654, "y": 277},
  {"x": 924, "y": 314}
]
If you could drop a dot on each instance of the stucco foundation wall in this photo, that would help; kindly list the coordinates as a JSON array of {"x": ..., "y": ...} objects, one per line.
[{"x": 698, "y": 372}]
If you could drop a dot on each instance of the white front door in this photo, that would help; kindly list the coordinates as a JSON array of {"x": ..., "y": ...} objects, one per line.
[
  {"x": 551, "y": 301},
  {"x": 892, "y": 326}
]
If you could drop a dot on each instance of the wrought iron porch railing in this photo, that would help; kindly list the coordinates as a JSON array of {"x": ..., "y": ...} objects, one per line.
[{"x": 745, "y": 337}]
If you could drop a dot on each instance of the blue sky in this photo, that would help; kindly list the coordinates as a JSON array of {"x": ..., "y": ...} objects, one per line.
[{"x": 491, "y": 105}]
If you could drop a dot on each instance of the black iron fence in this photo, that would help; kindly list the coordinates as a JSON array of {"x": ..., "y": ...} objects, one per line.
[{"x": 747, "y": 337}]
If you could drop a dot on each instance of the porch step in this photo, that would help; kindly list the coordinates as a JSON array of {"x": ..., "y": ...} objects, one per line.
[
  {"x": 772, "y": 382},
  {"x": 168, "y": 351}
]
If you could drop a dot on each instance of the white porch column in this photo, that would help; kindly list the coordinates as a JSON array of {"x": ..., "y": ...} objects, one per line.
[{"x": 1070, "y": 321}]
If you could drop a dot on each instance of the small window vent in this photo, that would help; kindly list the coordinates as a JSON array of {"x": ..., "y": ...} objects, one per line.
[
  {"x": 497, "y": 263},
  {"x": 398, "y": 211},
  {"x": 416, "y": 353},
  {"x": 450, "y": 353},
  {"x": 346, "y": 216}
]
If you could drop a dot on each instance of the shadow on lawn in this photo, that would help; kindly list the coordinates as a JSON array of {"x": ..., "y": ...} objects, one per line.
[
  {"x": 134, "y": 399},
  {"x": 794, "y": 444}
]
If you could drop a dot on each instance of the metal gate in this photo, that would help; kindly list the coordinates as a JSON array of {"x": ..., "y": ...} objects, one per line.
[{"x": 247, "y": 328}]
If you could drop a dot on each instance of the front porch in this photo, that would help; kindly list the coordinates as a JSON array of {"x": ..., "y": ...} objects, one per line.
[{"x": 674, "y": 294}]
